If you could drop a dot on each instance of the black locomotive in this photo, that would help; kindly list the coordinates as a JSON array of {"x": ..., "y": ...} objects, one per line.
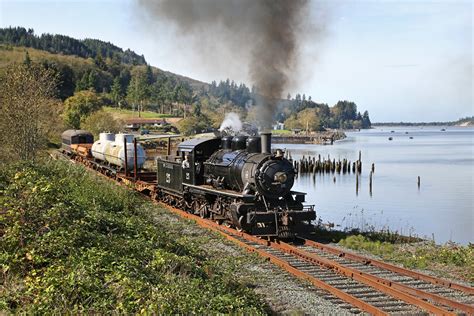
[{"x": 236, "y": 181}]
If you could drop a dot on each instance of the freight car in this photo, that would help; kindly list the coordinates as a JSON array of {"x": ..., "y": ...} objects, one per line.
[
  {"x": 236, "y": 181},
  {"x": 76, "y": 142},
  {"x": 110, "y": 150},
  {"x": 113, "y": 149}
]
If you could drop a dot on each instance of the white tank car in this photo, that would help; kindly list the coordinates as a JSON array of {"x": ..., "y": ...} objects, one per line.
[
  {"x": 114, "y": 151},
  {"x": 99, "y": 146}
]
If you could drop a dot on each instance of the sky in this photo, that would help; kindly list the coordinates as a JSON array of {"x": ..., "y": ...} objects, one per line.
[{"x": 405, "y": 60}]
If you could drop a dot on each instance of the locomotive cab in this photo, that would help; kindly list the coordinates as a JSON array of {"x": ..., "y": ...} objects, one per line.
[{"x": 187, "y": 166}]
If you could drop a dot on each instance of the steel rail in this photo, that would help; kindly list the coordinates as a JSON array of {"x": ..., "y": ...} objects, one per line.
[
  {"x": 392, "y": 288},
  {"x": 390, "y": 267},
  {"x": 372, "y": 281},
  {"x": 228, "y": 232},
  {"x": 420, "y": 293}
]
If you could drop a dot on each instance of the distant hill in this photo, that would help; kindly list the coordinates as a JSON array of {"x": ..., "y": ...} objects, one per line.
[{"x": 467, "y": 121}]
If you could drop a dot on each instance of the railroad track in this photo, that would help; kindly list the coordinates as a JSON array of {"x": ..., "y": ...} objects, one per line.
[{"x": 354, "y": 282}]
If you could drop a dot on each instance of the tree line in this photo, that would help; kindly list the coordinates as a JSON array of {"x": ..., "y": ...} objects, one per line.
[
  {"x": 303, "y": 113},
  {"x": 61, "y": 44},
  {"x": 468, "y": 119}
]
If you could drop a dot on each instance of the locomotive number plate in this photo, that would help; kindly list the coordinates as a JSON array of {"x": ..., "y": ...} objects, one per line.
[
  {"x": 167, "y": 165},
  {"x": 168, "y": 178}
]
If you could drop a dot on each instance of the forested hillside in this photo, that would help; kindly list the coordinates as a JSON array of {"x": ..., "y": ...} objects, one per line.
[
  {"x": 61, "y": 44},
  {"x": 123, "y": 79}
]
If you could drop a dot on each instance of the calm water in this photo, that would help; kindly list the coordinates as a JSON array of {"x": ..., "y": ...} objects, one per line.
[{"x": 441, "y": 208}]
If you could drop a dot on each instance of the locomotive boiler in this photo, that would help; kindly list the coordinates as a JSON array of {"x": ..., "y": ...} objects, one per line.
[{"x": 244, "y": 165}]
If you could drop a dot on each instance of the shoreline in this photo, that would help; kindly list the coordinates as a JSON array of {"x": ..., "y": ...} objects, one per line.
[{"x": 321, "y": 138}]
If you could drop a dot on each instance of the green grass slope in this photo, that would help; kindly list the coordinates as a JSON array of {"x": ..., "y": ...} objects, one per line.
[{"x": 74, "y": 243}]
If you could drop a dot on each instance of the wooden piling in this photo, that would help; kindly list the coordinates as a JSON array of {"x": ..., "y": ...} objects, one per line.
[
  {"x": 370, "y": 183},
  {"x": 357, "y": 184},
  {"x": 419, "y": 180},
  {"x": 373, "y": 167}
]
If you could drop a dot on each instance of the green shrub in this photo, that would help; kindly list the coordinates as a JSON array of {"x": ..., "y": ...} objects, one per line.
[{"x": 71, "y": 242}]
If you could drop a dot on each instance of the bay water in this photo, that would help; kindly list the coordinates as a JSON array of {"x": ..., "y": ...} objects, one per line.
[{"x": 441, "y": 208}]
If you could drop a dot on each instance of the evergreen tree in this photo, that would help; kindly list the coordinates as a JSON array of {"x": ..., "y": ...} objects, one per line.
[
  {"x": 99, "y": 61},
  {"x": 138, "y": 89},
  {"x": 366, "y": 120},
  {"x": 93, "y": 81},
  {"x": 83, "y": 83},
  {"x": 27, "y": 60},
  {"x": 116, "y": 91}
]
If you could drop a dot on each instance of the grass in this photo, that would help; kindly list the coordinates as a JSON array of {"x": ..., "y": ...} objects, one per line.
[
  {"x": 449, "y": 260},
  {"x": 128, "y": 114},
  {"x": 11, "y": 54},
  {"x": 281, "y": 132},
  {"x": 323, "y": 234},
  {"x": 72, "y": 242}
]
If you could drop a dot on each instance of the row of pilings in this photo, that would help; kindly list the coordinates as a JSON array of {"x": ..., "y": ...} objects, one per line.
[
  {"x": 320, "y": 165},
  {"x": 313, "y": 165}
]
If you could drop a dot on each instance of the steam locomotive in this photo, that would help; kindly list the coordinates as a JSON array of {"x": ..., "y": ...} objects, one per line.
[{"x": 235, "y": 181}]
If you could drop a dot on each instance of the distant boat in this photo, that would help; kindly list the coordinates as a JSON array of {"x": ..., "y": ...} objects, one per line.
[
  {"x": 390, "y": 138},
  {"x": 406, "y": 132},
  {"x": 392, "y": 131},
  {"x": 443, "y": 130},
  {"x": 411, "y": 137}
]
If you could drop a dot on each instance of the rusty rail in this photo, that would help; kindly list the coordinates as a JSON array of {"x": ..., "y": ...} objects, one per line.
[
  {"x": 228, "y": 232},
  {"x": 394, "y": 289},
  {"x": 382, "y": 285},
  {"x": 390, "y": 267}
]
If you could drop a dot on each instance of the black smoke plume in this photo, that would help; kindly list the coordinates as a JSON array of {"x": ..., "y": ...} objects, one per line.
[{"x": 262, "y": 35}]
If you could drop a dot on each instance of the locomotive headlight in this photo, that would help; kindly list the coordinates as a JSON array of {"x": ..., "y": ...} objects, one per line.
[{"x": 281, "y": 177}]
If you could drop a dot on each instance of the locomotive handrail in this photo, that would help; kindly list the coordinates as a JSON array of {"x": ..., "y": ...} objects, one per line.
[{"x": 227, "y": 192}]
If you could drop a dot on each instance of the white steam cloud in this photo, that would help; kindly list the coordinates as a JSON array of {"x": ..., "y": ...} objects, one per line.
[{"x": 231, "y": 123}]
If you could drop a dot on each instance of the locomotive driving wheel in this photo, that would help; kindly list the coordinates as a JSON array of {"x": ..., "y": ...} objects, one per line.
[{"x": 203, "y": 211}]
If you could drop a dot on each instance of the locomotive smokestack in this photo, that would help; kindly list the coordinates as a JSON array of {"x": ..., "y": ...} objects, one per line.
[{"x": 266, "y": 142}]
